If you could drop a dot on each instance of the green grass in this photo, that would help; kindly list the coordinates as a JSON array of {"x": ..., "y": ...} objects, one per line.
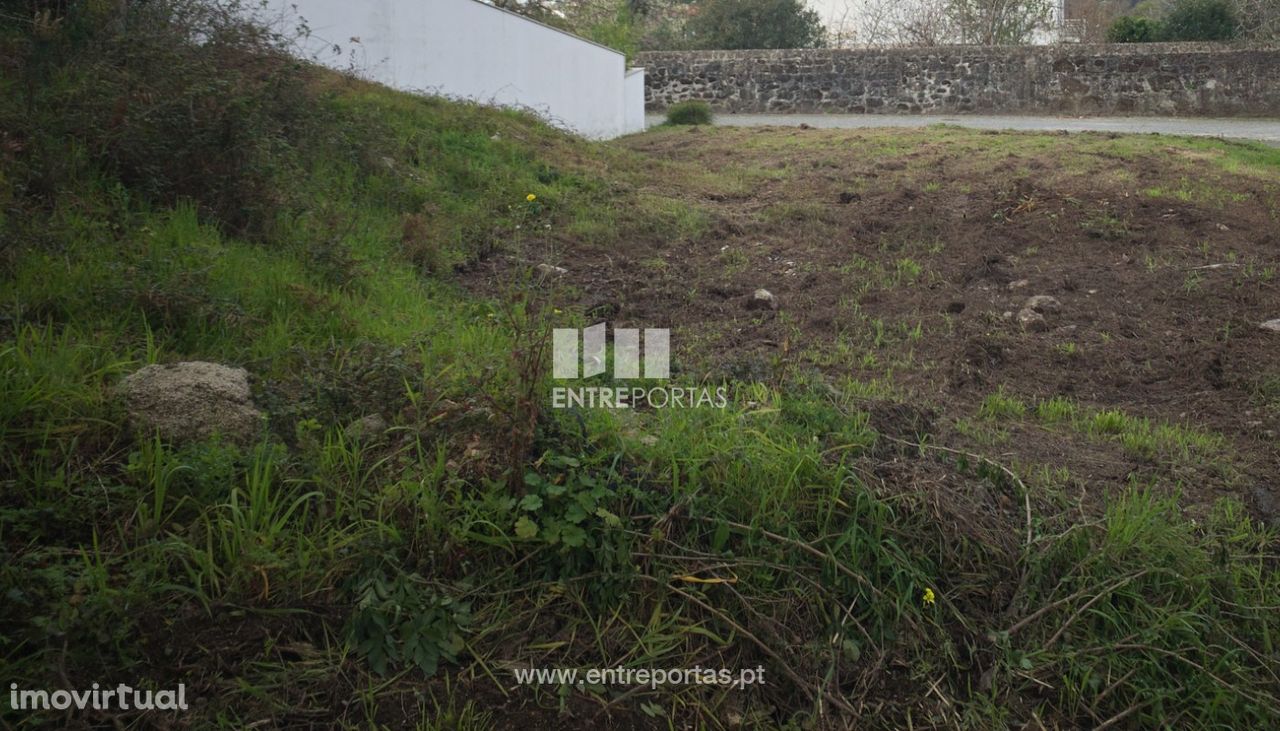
[{"x": 798, "y": 529}]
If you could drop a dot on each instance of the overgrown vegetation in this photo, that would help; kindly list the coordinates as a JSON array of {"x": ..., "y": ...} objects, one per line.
[
  {"x": 173, "y": 188},
  {"x": 690, "y": 112},
  {"x": 1180, "y": 20}
]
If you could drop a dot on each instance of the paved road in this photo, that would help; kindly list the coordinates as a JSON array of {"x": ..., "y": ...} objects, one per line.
[{"x": 1264, "y": 130}]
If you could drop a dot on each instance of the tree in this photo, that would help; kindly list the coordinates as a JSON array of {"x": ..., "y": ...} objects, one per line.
[
  {"x": 939, "y": 22},
  {"x": 1132, "y": 29},
  {"x": 735, "y": 24},
  {"x": 1259, "y": 20},
  {"x": 1201, "y": 20},
  {"x": 1000, "y": 22}
]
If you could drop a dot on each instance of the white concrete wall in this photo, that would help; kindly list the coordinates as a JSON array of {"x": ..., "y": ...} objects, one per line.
[
  {"x": 633, "y": 101},
  {"x": 466, "y": 49}
]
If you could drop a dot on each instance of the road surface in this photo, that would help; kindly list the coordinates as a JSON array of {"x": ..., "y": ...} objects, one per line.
[{"x": 1263, "y": 130}]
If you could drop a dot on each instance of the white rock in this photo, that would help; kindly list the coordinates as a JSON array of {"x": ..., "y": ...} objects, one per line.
[
  {"x": 762, "y": 299},
  {"x": 1032, "y": 320},
  {"x": 1043, "y": 303}
]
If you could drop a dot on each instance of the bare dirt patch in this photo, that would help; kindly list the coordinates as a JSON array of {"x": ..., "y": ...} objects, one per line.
[{"x": 905, "y": 258}]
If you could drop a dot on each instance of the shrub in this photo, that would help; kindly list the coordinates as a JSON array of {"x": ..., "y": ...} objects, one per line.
[
  {"x": 1130, "y": 29},
  {"x": 178, "y": 99},
  {"x": 1201, "y": 20},
  {"x": 691, "y": 112}
]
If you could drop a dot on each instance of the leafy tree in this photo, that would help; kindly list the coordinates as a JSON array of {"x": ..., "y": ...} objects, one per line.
[
  {"x": 734, "y": 24},
  {"x": 1201, "y": 20},
  {"x": 1131, "y": 29}
]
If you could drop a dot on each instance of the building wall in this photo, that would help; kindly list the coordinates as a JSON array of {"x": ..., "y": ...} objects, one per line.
[
  {"x": 468, "y": 50},
  {"x": 1137, "y": 79}
]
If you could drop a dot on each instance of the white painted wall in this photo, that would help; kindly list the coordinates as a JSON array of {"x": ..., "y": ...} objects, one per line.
[{"x": 466, "y": 49}]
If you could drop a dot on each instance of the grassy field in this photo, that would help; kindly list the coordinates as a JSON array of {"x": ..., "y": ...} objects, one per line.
[{"x": 914, "y": 512}]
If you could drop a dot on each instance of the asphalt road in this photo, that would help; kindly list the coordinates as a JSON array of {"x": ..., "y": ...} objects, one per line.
[{"x": 1263, "y": 130}]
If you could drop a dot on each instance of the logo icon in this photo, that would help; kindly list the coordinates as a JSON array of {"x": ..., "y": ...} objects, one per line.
[
  {"x": 581, "y": 354},
  {"x": 628, "y": 355}
]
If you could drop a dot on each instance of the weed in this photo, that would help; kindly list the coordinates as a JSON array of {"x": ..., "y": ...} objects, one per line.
[
  {"x": 689, "y": 113},
  {"x": 999, "y": 405}
]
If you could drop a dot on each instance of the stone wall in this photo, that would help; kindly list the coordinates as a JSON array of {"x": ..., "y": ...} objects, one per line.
[{"x": 1130, "y": 79}]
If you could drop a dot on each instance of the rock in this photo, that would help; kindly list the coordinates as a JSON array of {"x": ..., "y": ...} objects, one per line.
[
  {"x": 1272, "y": 325},
  {"x": 366, "y": 428},
  {"x": 1043, "y": 304},
  {"x": 1019, "y": 283},
  {"x": 762, "y": 299},
  {"x": 192, "y": 401},
  {"x": 1032, "y": 320},
  {"x": 1267, "y": 505},
  {"x": 549, "y": 270}
]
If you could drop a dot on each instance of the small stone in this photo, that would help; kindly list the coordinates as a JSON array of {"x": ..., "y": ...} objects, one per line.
[
  {"x": 548, "y": 270},
  {"x": 1267, "y": 504},
  {"x": 1223, "y": 227},
  {"x": 762, "y": 299},
  {"x": 1272, "y": 325},
  {"x": 1043, "y": 303},
  {"x": 1019, "y": 283},
  {"x": 1032, "y": 320}
]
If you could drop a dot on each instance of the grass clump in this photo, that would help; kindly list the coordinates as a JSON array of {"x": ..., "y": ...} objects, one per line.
[
  {"x": 689, "y": 113},
  {"x": 1000, "y": 405}
]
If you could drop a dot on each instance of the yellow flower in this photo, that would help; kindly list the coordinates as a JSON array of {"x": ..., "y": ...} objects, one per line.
[
  {"x": 556, "y": 310},
  {"x": 531, "y": 197},
  {"x": 928, "y": 597}
]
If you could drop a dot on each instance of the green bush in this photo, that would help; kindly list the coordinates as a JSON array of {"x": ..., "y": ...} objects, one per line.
[
  {"x": 1201, "y": 20},
  {"x": 1130, "y": 29},
  {"x": 691, "y": 112},
  {"x": 217, "y": 122}
]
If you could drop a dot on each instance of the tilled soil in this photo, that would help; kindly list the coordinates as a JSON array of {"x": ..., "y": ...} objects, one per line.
[{"x": 906, "y": 257}]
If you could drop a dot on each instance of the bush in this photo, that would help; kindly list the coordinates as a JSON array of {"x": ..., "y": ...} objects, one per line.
[
  {"x": 1201, "y": 20},
  {"x": 689, "y": 113},
  {"x": 730, "y": 24},
  {"x": 178, "y": 99},
  {"x": 1130, "y": 29}
]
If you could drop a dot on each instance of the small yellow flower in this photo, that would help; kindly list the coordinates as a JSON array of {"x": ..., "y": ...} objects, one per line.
[
  {"x": 556, "y": 310},
  {"x": 928, "y": 597},
  {"x": 531, "y": 197}
]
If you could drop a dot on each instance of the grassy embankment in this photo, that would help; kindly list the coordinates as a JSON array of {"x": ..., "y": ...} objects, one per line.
[{"x": 164, "y": 202}]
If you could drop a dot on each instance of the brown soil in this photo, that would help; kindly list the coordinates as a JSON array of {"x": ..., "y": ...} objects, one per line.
[{"x": 1161, "y": 252}]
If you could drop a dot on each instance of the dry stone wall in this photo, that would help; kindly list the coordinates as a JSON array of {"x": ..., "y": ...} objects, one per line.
[{"x": 1130, "y": 79}]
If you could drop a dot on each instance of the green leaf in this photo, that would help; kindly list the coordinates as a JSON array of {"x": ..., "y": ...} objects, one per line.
[
  {"x": 575, "y": 513},
  {"x": 526, "y": 528},
  {"x": 610, "y": 519},
  {"x": 573, "y": 536},
  {"x": 531, "y": 503}
]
